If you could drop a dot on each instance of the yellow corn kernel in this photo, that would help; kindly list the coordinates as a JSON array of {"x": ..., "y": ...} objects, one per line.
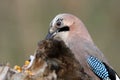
[
  {"x": 18, "y": 68},
  {"x": 27, "y": 63}
]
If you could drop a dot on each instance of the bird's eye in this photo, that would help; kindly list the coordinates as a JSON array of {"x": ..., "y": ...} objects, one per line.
[{"x": 58, "y": 23}]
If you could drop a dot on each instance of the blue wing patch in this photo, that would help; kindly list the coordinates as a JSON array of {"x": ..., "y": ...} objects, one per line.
[{"x": 98, "y": 68}]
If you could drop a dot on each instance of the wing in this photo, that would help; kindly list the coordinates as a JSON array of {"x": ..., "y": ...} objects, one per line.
[{"x": 101, "y": 69}]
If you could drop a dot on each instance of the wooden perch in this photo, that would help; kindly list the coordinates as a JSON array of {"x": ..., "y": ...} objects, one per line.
[{"x": 51, "y": 61}]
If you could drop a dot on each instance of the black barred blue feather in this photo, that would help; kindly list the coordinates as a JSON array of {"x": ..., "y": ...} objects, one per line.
[{"x": 103, "y": 71}]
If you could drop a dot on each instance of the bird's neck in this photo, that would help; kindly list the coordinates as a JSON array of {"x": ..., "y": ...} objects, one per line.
[
  {"x": 80, "y": 36},
  {"x": 80, "y": 32}
]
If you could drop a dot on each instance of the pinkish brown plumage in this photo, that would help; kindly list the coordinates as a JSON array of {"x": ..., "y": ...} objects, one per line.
[{"x": 73, "y": 32}]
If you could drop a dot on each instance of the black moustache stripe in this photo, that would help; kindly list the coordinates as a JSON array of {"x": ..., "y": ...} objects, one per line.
[{"x": 65, "y": 28}]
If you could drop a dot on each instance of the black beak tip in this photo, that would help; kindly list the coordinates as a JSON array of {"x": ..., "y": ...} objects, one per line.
[{"x": 49, "y": 36}]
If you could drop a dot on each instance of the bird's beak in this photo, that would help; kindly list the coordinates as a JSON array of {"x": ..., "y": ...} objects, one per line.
[{"x": 50, "y": 35}]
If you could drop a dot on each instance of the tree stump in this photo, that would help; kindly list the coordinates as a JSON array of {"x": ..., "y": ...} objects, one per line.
[{"x": 52, "y": 60}]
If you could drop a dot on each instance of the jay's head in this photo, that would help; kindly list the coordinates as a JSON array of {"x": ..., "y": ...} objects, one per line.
[{"x": 67, "y": 27}]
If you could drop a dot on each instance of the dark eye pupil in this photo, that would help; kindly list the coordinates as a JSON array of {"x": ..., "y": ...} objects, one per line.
[{"x": 58, "y": 23}]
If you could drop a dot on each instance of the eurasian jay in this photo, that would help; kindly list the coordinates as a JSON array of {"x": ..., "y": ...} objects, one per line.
[{"x": 72, "y": 31}]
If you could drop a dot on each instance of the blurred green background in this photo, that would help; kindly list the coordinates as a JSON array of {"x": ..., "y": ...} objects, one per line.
[{"x": 24, "y": 22}]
